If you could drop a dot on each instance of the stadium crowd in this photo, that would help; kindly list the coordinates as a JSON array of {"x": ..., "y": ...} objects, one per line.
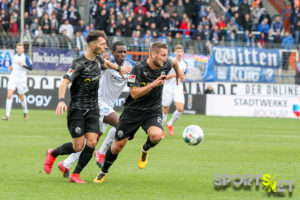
[{"x": 58, "y": 23}]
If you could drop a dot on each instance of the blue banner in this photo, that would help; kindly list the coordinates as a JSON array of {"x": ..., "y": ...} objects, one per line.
[
  {"x": 52, "y": 59},
  {"x": 6, "y": 56},
  {"x": 246, "y": 64},
  {"x": 251, "y": 57}
]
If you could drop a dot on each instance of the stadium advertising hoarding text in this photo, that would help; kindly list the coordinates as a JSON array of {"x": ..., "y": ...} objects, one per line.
[
  {"x": 253, "y": 106},
  {"x": 230, "y": 88},
  {"x": 6, "y": 56},
  {"x": 52, "y": 59},
  {"x": 246, "y": 64}
]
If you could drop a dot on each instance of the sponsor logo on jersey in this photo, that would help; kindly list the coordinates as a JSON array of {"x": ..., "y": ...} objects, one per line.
[
  {"x": 131, "y": 78},
  {"x": 70, "y": 72}
]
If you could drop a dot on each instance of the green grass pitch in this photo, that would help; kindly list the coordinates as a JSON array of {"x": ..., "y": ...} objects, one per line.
[{"x": 175, "y": 170}]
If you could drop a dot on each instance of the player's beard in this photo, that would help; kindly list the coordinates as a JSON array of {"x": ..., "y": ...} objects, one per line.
[{"x": 156, "y": 63}]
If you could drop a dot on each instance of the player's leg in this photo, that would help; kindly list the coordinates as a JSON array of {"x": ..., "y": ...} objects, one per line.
[
  {"x": 110, "y": 157},
  {"x": 10, "y": 93},
  {"x": 179, "y": 102},
  {"x": 24, "y": 106},
  {"x": 113, "y": 120},
  {"x": 76, "y": 127},
  {"x": 91, "y": 120},
  {"x": 154, "y": 128},
  {"x": 127, "y": 127},
  {"x": 154, "y": 136},
  {"x": 167, "y": 98}
]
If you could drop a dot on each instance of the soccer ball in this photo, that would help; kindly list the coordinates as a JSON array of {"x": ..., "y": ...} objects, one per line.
[{"x": 193, "y": 135}]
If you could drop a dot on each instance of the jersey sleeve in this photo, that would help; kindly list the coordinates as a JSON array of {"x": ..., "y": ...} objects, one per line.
[
  {"x": 28, "y": 63},
  {"x": 169, "y": 64},
  {"x": 134, "y": 78},
  {"x": 73, "y": 71}
]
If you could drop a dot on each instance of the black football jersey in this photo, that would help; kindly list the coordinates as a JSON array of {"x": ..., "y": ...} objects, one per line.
[
  {"x": 84, "y": 75},
  {"x": 140, "y": 76}
]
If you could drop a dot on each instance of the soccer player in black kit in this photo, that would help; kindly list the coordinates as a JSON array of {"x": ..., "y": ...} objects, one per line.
[
  {"x": 143, "y": 106},
  {"x": 83, "y": 111}
]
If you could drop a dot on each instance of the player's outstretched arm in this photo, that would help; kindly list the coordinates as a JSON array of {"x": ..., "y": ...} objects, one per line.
[
  {"x": 61, "y": 106},
  {"x": 177, "y": 71},
  {"x": 122, "y": 70},
  {"x": 137, "y": 92}
]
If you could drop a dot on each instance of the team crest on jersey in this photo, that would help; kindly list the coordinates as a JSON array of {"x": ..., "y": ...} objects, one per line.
[
  {"x": 70, "y": 72},
  {"x": 131, "y": 78},
  {"x": 78, "y": 130},
  {"x": 120, "y": 133}
]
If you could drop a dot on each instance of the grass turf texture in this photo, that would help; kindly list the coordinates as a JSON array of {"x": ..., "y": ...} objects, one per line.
[{"x": 175, "y": 170}]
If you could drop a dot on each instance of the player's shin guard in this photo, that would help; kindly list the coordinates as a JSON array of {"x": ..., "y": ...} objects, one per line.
[
  {"x": 108, "y": 160},
  {"x": 84, "y": 158},
  {"x": 24, "y": 105},
  {"x": 149, "y": 144},
  {"x": 64, "y": 149}
]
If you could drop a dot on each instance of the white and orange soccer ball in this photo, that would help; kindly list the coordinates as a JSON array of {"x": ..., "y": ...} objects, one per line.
[{"x": 193, "y": 135}]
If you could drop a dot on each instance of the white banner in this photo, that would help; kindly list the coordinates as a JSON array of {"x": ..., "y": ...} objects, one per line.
[
  {"x": 259, "y": 89},
  {"x": 252, "y": 106}
]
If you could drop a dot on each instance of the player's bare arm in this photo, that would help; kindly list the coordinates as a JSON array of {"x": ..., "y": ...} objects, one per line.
[
  {"x": 61, "y": 106},
  {"x": 121, "y": 69},
  {"x": 137, "y": 92},
  {"x": 179, "y": 74}
]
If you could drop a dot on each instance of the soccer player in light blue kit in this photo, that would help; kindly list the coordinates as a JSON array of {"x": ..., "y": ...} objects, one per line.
[
  {"x": 111, "y": 86},
  {"x": 18, "y": 80}
]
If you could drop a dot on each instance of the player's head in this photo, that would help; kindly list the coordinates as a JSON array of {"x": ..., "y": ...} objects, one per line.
[
  {"x": 178, "y": 51},
  {"x": 119, "y": 51},
  {"x": 19, "y": 48},
  {"x": 96, "y": 41},
  {"x": 158, "y": 53}
]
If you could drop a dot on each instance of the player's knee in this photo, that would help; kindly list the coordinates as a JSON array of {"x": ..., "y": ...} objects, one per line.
[
  {"x": 155, "y": 137},
  {"x": 78, "y": 147},
  {"x": 180, "y": 109},
  {"x": 92, "y": 142},
  {"x": 117, "y": 147}
]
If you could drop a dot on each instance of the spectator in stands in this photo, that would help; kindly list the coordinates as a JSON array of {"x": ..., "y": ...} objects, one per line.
[
  {"x": 32, "y": 7},
  {"x": 297, "y": 29},
  {"x": 148, "y": 19},
  {"x": 38, "y": 32},
  {"x": 163, "y": 38},
  {"x": 147, "y": 38},
  {"x": 13, "y": 29},
  {"x": 247, "y": 23},
  {"x": 185, "y": 25},
  {"x": 101, "y": 20},
  {"x": 46, "y": 24},
  {"x": 174, "y": 21},
  {"x": 111, "y": 27},
  {"x": 154, "y": 30},
  {"x": 199, "y": 35},
  {"x": 238, "y": 19},
  {"x": 34, "y": 25},
  {"x": 86, "y": 31},
  {"x": 288, "y": 44},
  {"x": 139, "y": 6},
  {"x": 5, "y": 19},
  {"x": 68, "y": 27},
  {"x": 277, "y": 24},
  {"x": 264, "y": 26},
  {"x": 188, "y": 6},
  {"x": 263, "y": 16},
  {"x": 51, "y": 6},
  {"x": 54, "y": 23},
  {"x": 270, "y": 40},
  {"x": 180, "y": 10},
  {"x": 78, "y": 42},
  {"x": 262, "y": 40},
  {"x": 73, "y": 16},
  {"x": 244, "y": 9},
  {"x": 64, "y": 41},
  {"x": 4, "y": 4},
  {"x": 278, "y": 39},
  {"x": 59, "y": 13},
  {"x": 81, "y": 26},
  {"x": 54, "y": 41},
  {"x": 202, "y": 13},
  {"x": 207, "y": 32},
  {"x": 124, "y": 28},
  {"x": 34, "y": 15},
  {"x": 170, "y": 8},
  {"x": 164, "y": 22},
  {"x": 215, "y": 35},
  {"x": 27, "y": 20}
]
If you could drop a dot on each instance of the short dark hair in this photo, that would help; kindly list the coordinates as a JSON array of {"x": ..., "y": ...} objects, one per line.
[
  {"x": 116, "y": 44},
  {"x": 94, "y": 35},
  {"x": 156, "y": 46},
  {"x": 20, "y": 44}
]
